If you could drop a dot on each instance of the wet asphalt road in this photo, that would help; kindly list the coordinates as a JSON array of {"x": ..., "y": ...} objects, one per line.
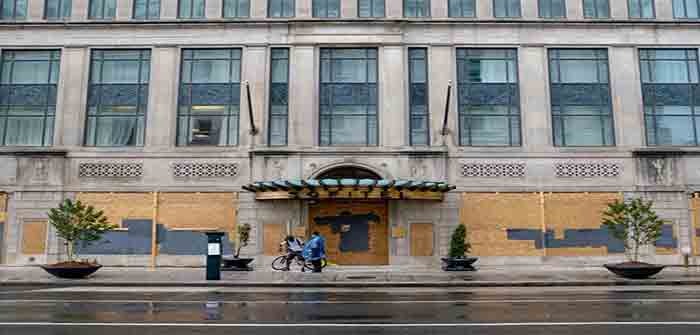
[{"x": 524, "y": 311}]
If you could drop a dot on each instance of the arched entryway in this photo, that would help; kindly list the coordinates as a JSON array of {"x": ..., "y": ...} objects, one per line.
[{"x": 356, "y": 231}]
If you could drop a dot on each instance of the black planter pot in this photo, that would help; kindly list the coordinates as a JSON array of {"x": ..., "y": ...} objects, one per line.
[
  {"x": 71, "y": 272},
  {"x": 458, "y": 263},
  {"x": 634, "y": 270},
  {"x": 236, "y": 264}
]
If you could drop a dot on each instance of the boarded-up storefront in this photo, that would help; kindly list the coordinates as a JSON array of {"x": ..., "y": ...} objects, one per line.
[
  {"x": 544, "y": 224},
  {"x": 3, "y": 218},
  {"x": 173, "y": 222}
]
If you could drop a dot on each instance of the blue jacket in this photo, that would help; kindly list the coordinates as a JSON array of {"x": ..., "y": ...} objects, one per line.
[{"x": 315, "y": 249}]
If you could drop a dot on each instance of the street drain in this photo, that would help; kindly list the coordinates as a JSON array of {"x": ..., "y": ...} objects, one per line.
[{"x": 361, "y": 277}]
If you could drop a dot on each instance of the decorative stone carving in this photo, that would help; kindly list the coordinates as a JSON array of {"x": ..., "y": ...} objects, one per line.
[
  {"x": 204, "y": 169},
  {"x": 587, "y": 169},
  {"x": 41, "y": 170},
  {"x": 658, "y": 166},
  {"x": 494, "y": 170},
  {"x": 276, "y": 169},
  {"x": 110, "y": 170}
]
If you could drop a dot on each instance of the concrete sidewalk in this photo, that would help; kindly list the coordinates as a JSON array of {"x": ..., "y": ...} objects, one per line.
[{"x": 511, "y": 276}]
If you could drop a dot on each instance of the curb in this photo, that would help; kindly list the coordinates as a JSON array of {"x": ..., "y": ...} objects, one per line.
[{"x": 445, "y": 284}]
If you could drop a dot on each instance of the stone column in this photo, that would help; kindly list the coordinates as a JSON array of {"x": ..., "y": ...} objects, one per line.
[
  {"x": 484, "y": 9},
  {"x": 35, "y": 10},
  {"x": 392, "y": 97},
  {"x": 442, "y": 70},
  {"x": 534, "y": 99},
  {"x": 255, "y": 72},
  {"x": 574, "y": 9},
  {"x": 168, "y": 9},
  {"x": 664, "y": 9},
  {"x": 303, "y": 111},
  {"x": 79, "y": 11},
  {"x": 303, "y": 9},
  {"x": 124, "y": 9},
  {"x": 626, "y": 95},
  {"x": 258, "y": 9},
  {"x": 393, "y": 8},
  {"x": 618, "y": 10},
  {"x": 348, "y": 9},
  {"x": 529, "y": 9},
  {"x": 214, "y": 9},
  {"x": 72, "y": 96},
  {"x": 161, "y": 121},
  {"x": 438, "y": 8}
]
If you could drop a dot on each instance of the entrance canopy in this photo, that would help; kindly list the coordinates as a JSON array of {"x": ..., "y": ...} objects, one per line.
[{"x": 349, "y": 188}]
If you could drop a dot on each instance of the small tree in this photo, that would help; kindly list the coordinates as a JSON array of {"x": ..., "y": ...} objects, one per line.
[
  {"x": 635, "y": 223},
  {"x": 458, "y": 245},
  {"x": 76, "y": 222},
  {"x": 243, "y": 238}
]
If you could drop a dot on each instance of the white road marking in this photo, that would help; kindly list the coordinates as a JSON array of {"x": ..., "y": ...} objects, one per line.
[
  {"x": 342, "y": 302},
  {"x": 352, "y": 325}
]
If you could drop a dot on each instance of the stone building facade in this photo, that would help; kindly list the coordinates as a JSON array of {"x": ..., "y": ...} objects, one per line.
[{"x": 555, "y": 108}]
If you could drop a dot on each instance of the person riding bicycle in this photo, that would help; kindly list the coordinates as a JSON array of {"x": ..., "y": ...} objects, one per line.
[
  {"x": 315, "y": 251},
  {"x": 294, "y": 248}
]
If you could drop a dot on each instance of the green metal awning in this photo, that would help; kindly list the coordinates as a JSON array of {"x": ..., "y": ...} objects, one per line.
[{"x": 348, "y": 188}]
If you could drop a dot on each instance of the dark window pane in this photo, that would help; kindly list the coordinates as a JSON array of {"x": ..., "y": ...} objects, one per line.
[{"x": 348, "y": 96}]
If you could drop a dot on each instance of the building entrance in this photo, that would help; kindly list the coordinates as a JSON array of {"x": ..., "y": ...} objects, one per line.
[{"x": 356, "y": 232}]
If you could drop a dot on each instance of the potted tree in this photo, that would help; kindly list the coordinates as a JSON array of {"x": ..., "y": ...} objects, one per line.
[
  {"x": 237, "y": 263},
  {"x": 636, "y": 224},
  {"x": 76, "y": 223},
  {"x": 459, "y": 247}
]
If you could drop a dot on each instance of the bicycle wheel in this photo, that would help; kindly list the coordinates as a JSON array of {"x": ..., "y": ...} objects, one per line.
[
  {"x": 280, "y": 263},
  {"x": 309, "y": 266}
]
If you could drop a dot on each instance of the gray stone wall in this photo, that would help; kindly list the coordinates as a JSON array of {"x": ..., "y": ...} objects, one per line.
[{"x": 38, "y": 180}]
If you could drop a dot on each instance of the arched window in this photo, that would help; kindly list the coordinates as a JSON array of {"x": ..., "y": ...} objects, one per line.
[{"x": 349, "y": 172}]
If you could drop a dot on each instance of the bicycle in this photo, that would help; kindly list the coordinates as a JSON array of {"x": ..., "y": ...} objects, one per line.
[{"x": 280, "y": 263}]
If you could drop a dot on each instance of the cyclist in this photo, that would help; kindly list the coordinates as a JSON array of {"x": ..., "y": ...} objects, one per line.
[
  {"x": 294, "y": 248},
  {"x": 315, "y": 251}
]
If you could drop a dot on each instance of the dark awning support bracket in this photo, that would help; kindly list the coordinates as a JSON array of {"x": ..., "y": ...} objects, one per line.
[{"x": 253, "y": 128}]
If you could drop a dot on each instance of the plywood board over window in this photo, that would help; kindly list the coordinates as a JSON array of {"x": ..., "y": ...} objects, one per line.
[
  {"x": 421, "y": 239},
  {"x": 273, "y": 233},
  {"x": 198, "y": 210},
  {"x": 120, "y": 206},
  {"x": 34, "y": 237}
]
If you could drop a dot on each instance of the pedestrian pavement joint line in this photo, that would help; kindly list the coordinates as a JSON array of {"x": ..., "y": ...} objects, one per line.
[{"x": 352, "y": 325}]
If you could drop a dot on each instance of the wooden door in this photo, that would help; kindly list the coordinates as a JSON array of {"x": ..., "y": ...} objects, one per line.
[{"x": 377, "y": 251}]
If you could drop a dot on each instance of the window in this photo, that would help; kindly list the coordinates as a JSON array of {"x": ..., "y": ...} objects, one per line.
[
  {"x": 370, "y": 8},
  {"x": 191, "y": 9},
  {"x": 210, "y": 94},
  {"x": 102, "y": 9},
  {"x": 488, "y": 97},
  {"x": 117, "y": 97},
  {"x": 418, "y": 96},
  {"x": 686, "y": 9},
  {"x": 13, "y": 9},
  {"x": 506, "y": 8},
  {"x": 416, "y": 8},
  {"x": 669, "y": 89},
  {"x": 28, "y": 97},
  {"x": 280, "y": 8},
  {"x": 580, "y": 97},
  {"x": 348, "y": 98},
  {"x": 462, "y": 8},
  {"x": 552, "y": 8},
  {"x": 146, "y": 9},
  {"x": 641, "y": 9},
  {"x": 279, "y": 96},
  {"x": 326, "y": 8},
  {"x": 596, "y": 9},
  {"x": 236, "y": 8},
  {"x": 57, "y": 9}
]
